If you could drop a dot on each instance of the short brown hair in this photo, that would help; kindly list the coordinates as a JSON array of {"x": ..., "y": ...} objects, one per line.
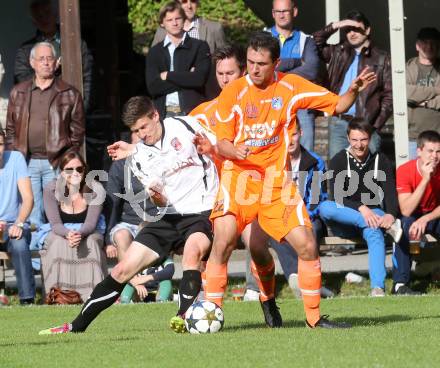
[
  {"x": 136, "y": 108},
  {"x": 360, "y": 124},
  {"x": 170, "y": 7},
  {"x": 231, "y": 51}
]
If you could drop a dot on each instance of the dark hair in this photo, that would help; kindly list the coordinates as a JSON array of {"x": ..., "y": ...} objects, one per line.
[
  {"x": 264, "y": 40},
  {"x": 428, "y": 33},
  {"x": 231, "y": 51},
  {"x": 170, "y": 7},
  {"x": 358, "y": 17},
  {"x": 136, "y": 108},
  {"x": 65, "y": 159},
  {"x": 360, "y": 124},
  {"x": 427, "y": 136}
]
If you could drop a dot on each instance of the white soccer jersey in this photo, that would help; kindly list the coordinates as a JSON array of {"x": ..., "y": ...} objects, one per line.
[{"x": 190, "y": 180}]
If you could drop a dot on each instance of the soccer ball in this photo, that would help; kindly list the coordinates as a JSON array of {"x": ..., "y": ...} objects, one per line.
[{"x": 204, "y": 317}]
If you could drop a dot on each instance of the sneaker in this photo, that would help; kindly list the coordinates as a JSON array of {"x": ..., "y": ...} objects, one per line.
[
  {"x": 271, "y": 313},
  {"x": 326, "y": 293},
  {"x": 377, "y": 292},
  {"x": 395, "y": 231},
  {"x": 404, "y": 290},
  {"x": 251, "y": 295},
  {"x": 294, "y": 285},
  {"x": 65, "y": 328},
  {"x": 177, "y": 324},
  {"x": 324, "y": 322}
]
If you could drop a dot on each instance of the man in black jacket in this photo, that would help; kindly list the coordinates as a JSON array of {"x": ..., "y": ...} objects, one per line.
[
  {"x": 178, "y": 67},
  {"x": 358, "y": 181}
]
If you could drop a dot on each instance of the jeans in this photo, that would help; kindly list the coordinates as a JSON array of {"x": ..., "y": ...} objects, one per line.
[
  {"x": 401, "y": 256},
  {"x": 286, "y": 255},
  {"x": 41, "y": 173},
  {"x": 337, "y": 131},
  {"x": 307, "y": 121},
  {"x": 21, "y": 260},
  {"x": 346, "y": 222}
]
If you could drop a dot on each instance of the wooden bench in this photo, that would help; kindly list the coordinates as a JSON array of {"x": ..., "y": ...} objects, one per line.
[{"x": 326, "y": 244}]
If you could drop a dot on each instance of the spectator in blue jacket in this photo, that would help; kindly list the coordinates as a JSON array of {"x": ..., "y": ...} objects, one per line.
[{"x": 299, "y": 55}]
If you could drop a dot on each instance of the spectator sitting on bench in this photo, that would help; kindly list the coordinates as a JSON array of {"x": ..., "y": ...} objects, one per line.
[
  {"x": 418, "y": 188},
  {"x": 357, "y": 183},
  {"x": 73, "y": 256},
  {"x": 15, "y": 207}
]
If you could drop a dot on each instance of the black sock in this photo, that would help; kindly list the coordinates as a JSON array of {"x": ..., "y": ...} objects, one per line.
[
  {"x": 102, "y": 297},
  {"x": 189, "y": 289}
]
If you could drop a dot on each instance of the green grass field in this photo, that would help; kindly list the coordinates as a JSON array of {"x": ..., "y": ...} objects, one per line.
[{"x": 387, "y": 332}]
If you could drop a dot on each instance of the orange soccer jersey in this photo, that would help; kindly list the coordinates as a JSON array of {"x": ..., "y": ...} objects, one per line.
[
  {"x": 264, "y": 119},
  {"x": 205, "y": 114}
]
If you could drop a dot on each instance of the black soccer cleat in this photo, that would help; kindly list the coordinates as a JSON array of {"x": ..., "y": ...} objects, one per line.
[
  {"x": 404, "y": 290},
  {"x": 324, "y": 322},
  {"x": 271, "y": 313}
]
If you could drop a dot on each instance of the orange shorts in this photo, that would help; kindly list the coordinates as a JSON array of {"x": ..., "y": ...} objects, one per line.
[{"x": 247, "y": 195}]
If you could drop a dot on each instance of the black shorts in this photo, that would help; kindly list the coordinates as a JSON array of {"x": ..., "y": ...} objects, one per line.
[{"x": 172, "y": 231}]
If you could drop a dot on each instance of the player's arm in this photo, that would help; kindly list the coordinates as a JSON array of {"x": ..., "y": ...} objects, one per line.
[
  {"x": 230, "y": 152},
  {"x": 358, "y": 84}
]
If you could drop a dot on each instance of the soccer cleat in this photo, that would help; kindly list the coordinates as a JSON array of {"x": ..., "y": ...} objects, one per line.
[
  {"x": 271, "y": 313},
  {"x": 177, "y": 324},
  {"x": 403, "y": 290},
  {"x": 324, "y": 322},
  {"x": 395, "y": 231},
  {"x": 65, "y": 328}
]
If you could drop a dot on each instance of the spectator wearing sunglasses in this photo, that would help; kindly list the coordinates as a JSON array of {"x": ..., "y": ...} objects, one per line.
[
  {"x": 72, "y": 256},
  {"x": 344, "y": 62}
]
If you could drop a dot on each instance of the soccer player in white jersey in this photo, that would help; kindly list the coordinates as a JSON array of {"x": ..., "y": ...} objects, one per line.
[{"x": 183, "y": 184}]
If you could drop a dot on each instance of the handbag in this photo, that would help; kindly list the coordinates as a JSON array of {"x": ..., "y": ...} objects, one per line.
[{"x": 63, "y": 296}]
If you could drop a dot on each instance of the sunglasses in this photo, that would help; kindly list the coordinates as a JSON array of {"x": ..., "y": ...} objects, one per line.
[{"x": 70, "y": 170}]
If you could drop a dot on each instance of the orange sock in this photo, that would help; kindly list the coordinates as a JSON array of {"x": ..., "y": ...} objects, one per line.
[
  {"x": 309, "y": 280},
  {"x": 216, "y": 282},
  {"x": 265, "y": 277}
]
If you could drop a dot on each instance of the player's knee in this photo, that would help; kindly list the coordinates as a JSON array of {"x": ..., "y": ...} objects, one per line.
[
  {"x": 121, "y": 272},
  {"x": 309, "y": 250},
  {"x": 222, "y": 248}
]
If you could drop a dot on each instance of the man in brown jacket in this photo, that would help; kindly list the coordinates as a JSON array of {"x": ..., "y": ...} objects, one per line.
[
  {"x": 45, "y": 118},
  {"x": 345, "y": 60}
]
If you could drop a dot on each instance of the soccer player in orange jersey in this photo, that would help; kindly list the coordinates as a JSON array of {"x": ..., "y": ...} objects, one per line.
[{"x": 254, "y": 120}]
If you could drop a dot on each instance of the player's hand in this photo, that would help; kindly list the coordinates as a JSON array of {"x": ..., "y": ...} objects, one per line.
[
  {"x": 141, "y": 291},
  {"x": 418, "y": 227},
  {"x": 363, "y": 80},
  {"x": 120, "y": 150},
  {"x": 241, "y": 152},
  {"x": 163, "y": 75},
  {"x": 15, "y": 232},
  {"x": 202, "y": 143},
  {"x": 386, "y": 221},
  {"x": 427, "y": 169},
  {"x": 111, "y": 251},
  {"x": 370, "y": 217},
  {"x": 157, "y": 195}
]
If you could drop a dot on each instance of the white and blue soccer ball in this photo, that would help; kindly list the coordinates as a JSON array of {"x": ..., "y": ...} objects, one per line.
[{"x": 204, "y": 317}]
